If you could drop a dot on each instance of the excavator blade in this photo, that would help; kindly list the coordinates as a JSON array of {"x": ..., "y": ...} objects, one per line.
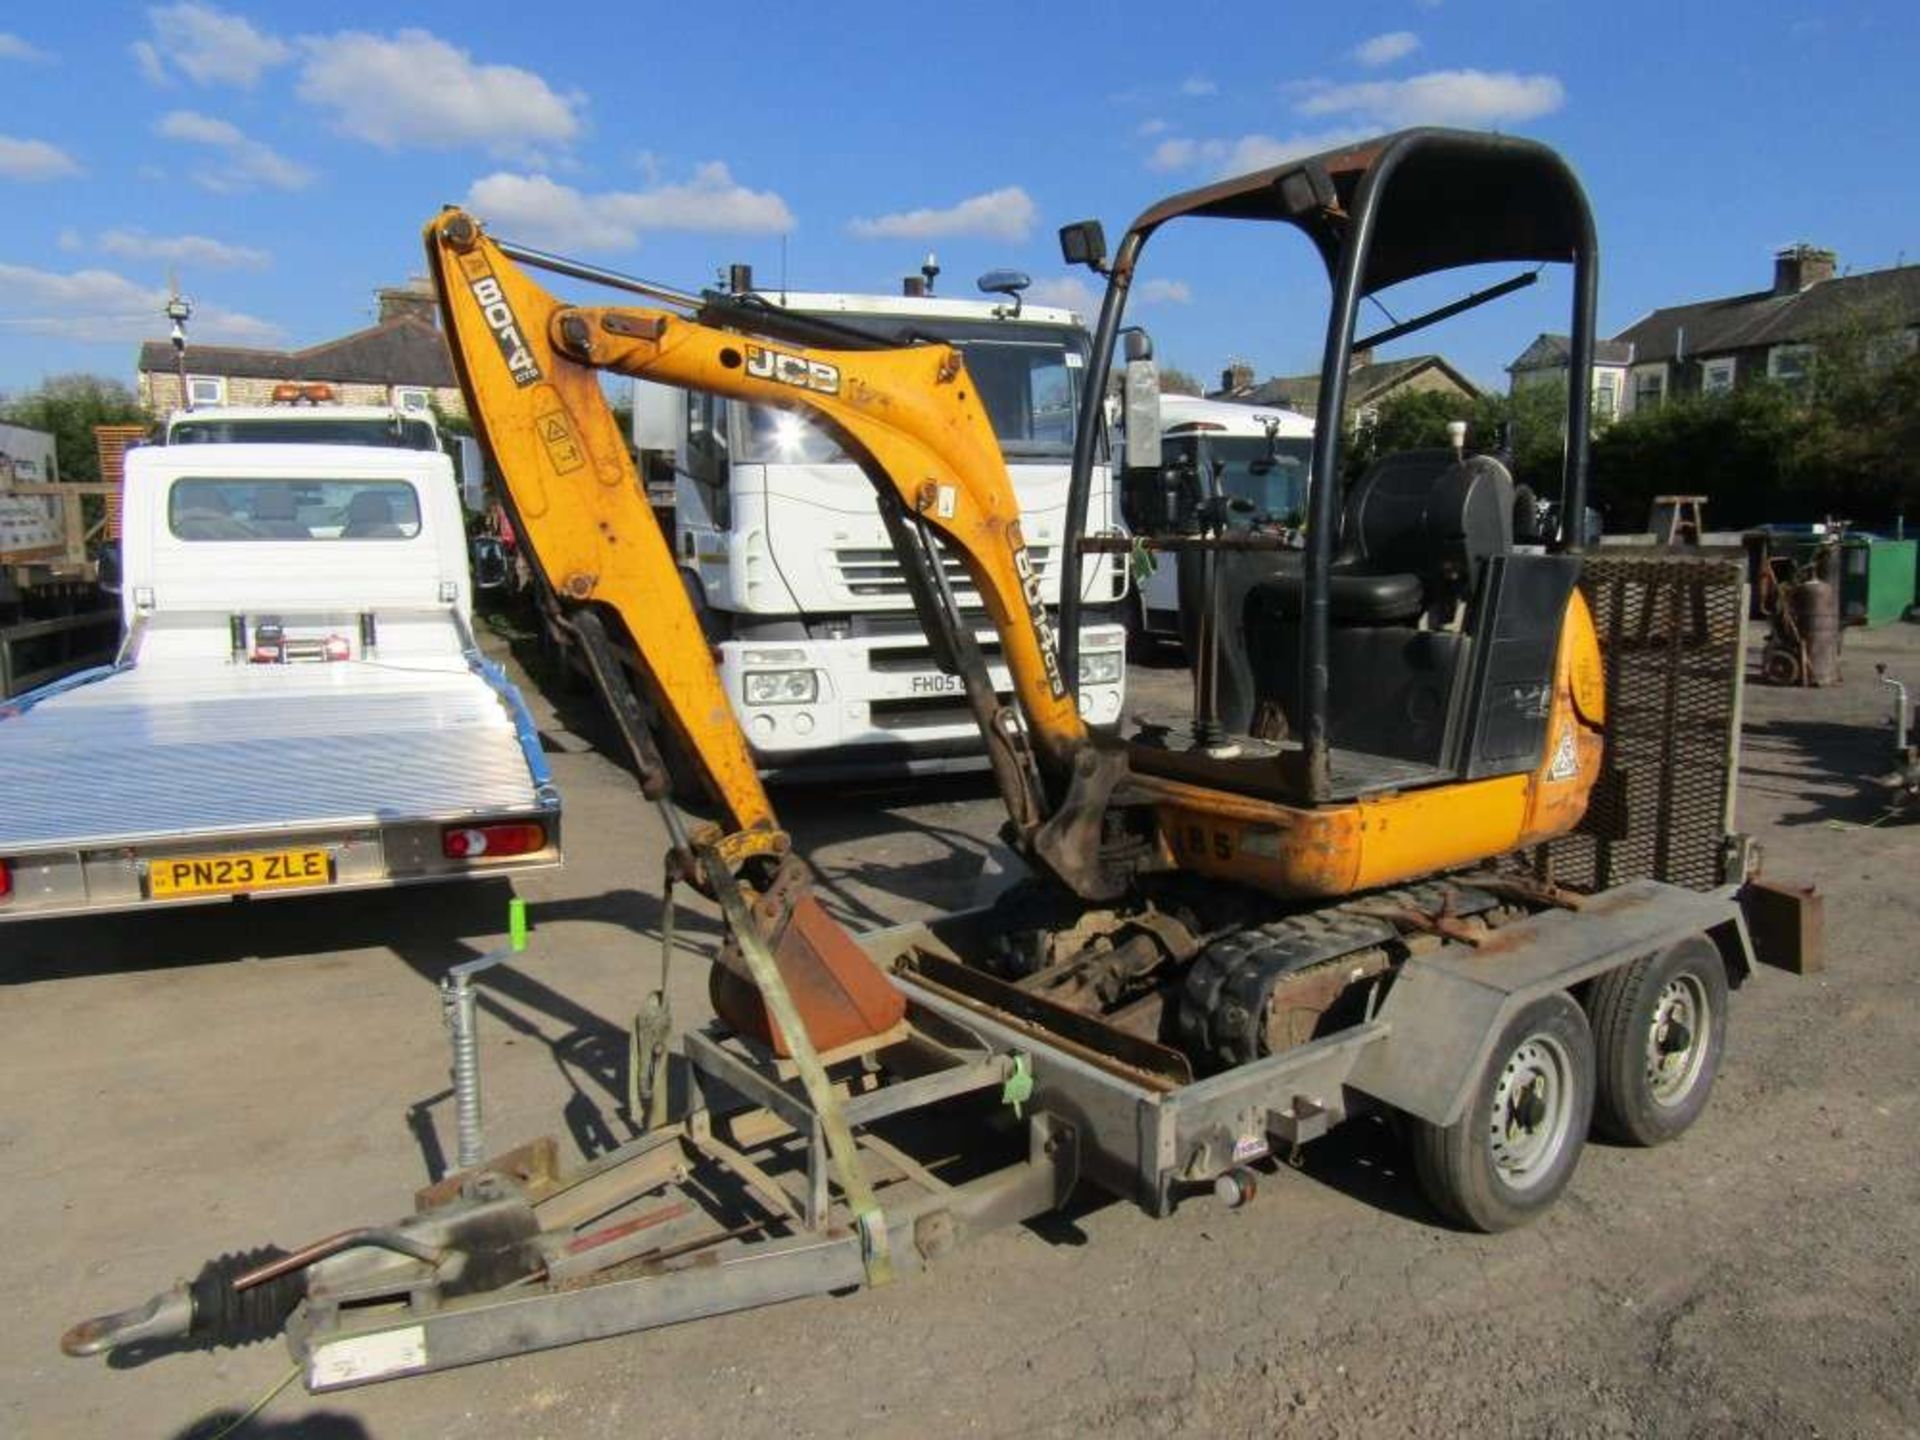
[{"x": 842, "y": 996}]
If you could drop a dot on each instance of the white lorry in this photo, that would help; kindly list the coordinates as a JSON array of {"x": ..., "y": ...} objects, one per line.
[
  {"x": 1260, "y": 455},
  {"x": 783, "y": 547},
  {"x": 298, "y": 704}
]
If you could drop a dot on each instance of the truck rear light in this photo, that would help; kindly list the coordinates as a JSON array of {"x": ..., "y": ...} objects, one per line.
[
  {"x": 6, "y": 881},
  {"x": 470, "y": 842}
]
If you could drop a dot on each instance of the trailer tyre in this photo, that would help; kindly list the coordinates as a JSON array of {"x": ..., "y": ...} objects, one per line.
[
  {"x": 1514, "y": 1148},
  {"x": 1659, "y": 1026}
]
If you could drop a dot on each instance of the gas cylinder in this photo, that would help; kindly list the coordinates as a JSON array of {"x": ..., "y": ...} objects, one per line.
[{"x": 1816, "y": 612}]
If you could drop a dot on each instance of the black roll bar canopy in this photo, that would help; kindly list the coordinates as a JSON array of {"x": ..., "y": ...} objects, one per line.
[{"x": 1378, "y": 212}]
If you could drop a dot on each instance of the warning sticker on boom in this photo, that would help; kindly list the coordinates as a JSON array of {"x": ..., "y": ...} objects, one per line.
[{"x": 555, "y": 429}]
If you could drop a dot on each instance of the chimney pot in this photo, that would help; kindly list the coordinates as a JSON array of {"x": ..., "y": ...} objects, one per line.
[
  {"x": 1800, "y": 267},
  {"x": 412, "y": 301}
]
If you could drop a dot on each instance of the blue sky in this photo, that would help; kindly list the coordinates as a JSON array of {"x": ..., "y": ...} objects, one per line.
[{"x": 279, "y": 160}]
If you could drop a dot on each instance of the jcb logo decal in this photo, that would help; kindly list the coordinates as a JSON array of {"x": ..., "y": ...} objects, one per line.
[
  {"x": 500, "y": 319},
  {"x": 794, "y": 370},
  {"x": 1043, "y": 634}
]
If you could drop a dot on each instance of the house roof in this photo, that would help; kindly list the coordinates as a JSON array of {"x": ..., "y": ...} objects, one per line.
[
  {"x": 1551, "y": 352},
  {"x": 1364, "y": 383},
  {"x": 404, "y": 351},
  {"x": 1739, "y": 322}
]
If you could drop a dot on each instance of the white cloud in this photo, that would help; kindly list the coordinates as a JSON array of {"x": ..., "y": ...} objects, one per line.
[
  {"x": 1152, "y": 127},
  {"x": 538, "y": 208},
  {"x": 242, "y": 164},
  {"x": 1164, "y": 292},
  {"x": 100, "y": 305},
  {"x": 1069, "y": 292},
  {"x": 1387, "y": 48},
  {"x": 416, "y": 90},
  {"x": 1198, "y": 86},
  {"x": 1006, "y": 214},
  {"x": 12, "y": 47},
  {"x": 1441, "y": 97},
  {"x": 1238, "y": 155},
  {"x": 197, "y": 250},
  {"x": 34, "y": 160},
  {"x": 1173, "y": 154},
  {"x": 208, "y": 46}
]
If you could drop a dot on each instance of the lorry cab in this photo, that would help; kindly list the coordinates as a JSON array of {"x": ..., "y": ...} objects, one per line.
[
  {"x": 1259, "y": 457},
  {"x": 782, "y": 545}
]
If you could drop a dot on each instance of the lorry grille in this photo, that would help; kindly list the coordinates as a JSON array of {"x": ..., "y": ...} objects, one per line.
[
  {"x": 1673, "y": 639},
  {"x": 876, "y": 573}
]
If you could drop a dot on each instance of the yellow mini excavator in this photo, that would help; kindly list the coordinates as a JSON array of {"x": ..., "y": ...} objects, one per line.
[
  {"x": 1429, "y": 696},
  {"x": 1352, "y": 883}
]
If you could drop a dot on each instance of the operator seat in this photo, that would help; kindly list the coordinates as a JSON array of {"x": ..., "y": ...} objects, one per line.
[{"x": 1419, "y": 527}]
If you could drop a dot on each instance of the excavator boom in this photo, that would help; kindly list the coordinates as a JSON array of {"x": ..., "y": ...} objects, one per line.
[{"x": 531, "y": 367}]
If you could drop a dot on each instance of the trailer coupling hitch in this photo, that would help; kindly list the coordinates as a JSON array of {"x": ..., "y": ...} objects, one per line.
[
  {"x": 235, "y": 1299},
  {"x": 218, "y": 1307}
]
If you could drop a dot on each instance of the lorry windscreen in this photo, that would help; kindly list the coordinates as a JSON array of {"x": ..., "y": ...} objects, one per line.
[
  {"x": 384, "y": 434},
  {"x": 243, "y": 508},
  {"x": 1269, "y": 475},
  {"x": 1029, "y": 382}
]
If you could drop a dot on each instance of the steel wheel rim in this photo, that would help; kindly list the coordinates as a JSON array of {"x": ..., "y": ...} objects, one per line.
[
  {"x": 1678, "y": 1037},
  {"x": 1532, "y": 1111}
]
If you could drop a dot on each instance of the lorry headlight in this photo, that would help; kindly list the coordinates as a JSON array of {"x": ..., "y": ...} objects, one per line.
[
  {"x": 782, "y": 687},
  {"x": 1100, "y": 667}
]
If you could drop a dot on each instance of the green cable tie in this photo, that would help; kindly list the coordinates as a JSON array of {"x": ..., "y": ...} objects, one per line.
[
  {"x": 517, "y": 923},
  {"x": 1018, "y": 1088}
]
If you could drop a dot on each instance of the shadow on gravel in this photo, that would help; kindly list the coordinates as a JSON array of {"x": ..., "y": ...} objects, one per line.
[
  {"x": 325, "y": 1425},
  {"x": 426, "y": 921},
  {"x": 1366, "y": 1160},
  {"x": 1829, "y": 767}
]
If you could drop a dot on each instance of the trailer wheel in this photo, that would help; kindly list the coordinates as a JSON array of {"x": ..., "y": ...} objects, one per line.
[
  {"x": 1659, "y": 1025},
  {"x": 1511, "y": 1153}
]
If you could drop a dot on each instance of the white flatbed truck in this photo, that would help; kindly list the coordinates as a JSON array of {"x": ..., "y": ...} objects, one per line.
[{"x": 299, "y": 703}]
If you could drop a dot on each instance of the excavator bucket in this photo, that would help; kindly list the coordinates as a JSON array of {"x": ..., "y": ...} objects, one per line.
[{"x": 842, "y": 996}]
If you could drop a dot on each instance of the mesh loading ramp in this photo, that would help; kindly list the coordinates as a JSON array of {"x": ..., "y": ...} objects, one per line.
[{"x": 1673, "y": 640}]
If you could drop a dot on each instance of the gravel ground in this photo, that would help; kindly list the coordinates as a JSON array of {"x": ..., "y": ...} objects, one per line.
[{"x": 176, "y": 1085}]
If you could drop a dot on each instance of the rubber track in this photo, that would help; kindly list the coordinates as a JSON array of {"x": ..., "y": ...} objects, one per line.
[{"x": 1223, "y": 1002}]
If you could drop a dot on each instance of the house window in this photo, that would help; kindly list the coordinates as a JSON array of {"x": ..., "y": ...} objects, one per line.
[
  {"x": 415, "y": 399},
  {"x": 1649, "y": 389},
  {"x": 206, "y": 390},
  {"x": 1716, "y": 376},
  {"x": 1791, "y": 365},
  {"x": 1606, "y": 397}
]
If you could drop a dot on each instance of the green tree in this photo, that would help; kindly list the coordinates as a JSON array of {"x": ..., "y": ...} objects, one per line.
[
  {"x": 1418, "y": 420},
  {"x": 1175, "y": 381},
  {"x": 1738, "y": 449},
  {"x": 68, "y": 407}
]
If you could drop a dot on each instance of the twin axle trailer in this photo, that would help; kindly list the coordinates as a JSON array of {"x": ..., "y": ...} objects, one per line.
[{"x": 1497, "y": 1013}]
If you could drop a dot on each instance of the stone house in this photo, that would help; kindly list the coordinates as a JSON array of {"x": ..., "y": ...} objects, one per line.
[
  {"x": 401, "y": 360},
  {"x": 1369, "y": 382},
  {"x": 1707, "y": 347},
  {"x": 1545, "y": 362}
]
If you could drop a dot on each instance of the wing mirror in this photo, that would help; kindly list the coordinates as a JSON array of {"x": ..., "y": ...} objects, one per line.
[
  {"x": 1142, "y": 402},
  {"x": 489, "y": 558},
  {"x": 1084, "y": 243},
  {"x": 109, "y": 567},
  {"x": 1005, "y": 282}
]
